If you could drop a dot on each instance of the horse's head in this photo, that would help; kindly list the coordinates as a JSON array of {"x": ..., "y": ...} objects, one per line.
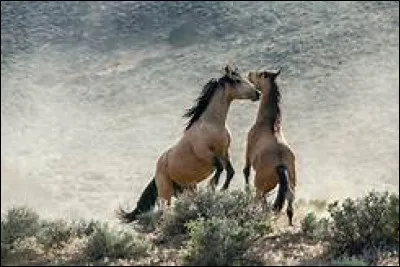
[
  {"x": 236, "y": 86},
  {"x": 263, "y": 79}
]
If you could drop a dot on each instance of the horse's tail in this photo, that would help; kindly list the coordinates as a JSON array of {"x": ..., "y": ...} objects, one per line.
[
  {"x": 283, "y": 187},
  {"x": 146, "y": 202}
]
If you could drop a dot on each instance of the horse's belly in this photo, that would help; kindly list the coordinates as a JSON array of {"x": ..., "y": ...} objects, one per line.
[
  {"x": 191, "y": 179},
  {"x": 186, "y": 172}
]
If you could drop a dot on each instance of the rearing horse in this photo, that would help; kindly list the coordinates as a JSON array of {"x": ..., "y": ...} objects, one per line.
[
  {"x": 267, "y": 150},
  {"x": 204, "y": 146}
]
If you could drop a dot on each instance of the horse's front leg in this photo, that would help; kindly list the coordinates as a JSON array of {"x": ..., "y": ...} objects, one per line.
[
  {"x": 224, "y": 162},
  {"x": 230, "y": 172},
  {"x": 206, "y": 154},
  {"x": 219, "y": 167},
  {"x": 247, "y": 167}
]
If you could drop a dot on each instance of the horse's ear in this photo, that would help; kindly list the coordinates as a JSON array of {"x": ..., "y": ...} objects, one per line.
[
  {"x": 230, "y": 69},
  {"x": 227, "y": 69},
  {"x": 235, "y": 68},
  {"x": 276, "y": 73}
]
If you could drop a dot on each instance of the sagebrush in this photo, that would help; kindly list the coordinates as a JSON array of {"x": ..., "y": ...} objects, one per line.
[
  {"x": 205, "y": 204},
  {"x": 24, "y": 237},
  {"x": 363, "y": 227}
]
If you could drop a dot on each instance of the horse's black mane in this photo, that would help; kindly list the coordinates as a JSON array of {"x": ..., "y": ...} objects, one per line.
[
  {"x": 273, "y": 104},
  {"x": 204, "y": 99}
]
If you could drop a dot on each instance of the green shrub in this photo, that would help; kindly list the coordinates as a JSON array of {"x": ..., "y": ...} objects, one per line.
[
  {"x": 18, "y": 223},
  {"x": 24, "y": 237},
  {"x": 219, "y": 242},
  {"x": 173, "y": 221},
  {"x": 148, "y": 221},
  {"x": 314, "y": 228},
  {"x": 114, "y": 244},
  {"x": 205, "y": 204},
  {"x": 82, "y": 228},
  {"x": 309, "y": 223},
  {"x": 220, "y": 226},
  {"x": 365, "y": 227},
  {"x": 55, "y": 233},
  {"x": 371, "y": 222}
]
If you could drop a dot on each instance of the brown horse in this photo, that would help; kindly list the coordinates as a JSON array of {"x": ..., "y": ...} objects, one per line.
[
  {"x": 204, "y": 146},
  {"x": 267, "y": 150}
]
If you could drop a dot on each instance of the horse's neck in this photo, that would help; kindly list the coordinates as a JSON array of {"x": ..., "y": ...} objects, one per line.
[
  {"x": 265, "y": 113},
  {"x": 217, "y": 110}
]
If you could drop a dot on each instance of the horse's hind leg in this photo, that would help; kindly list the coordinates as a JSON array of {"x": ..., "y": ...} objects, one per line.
[
  {"x": 289, "y": 210},
  {"x": 165, "y": 190}
]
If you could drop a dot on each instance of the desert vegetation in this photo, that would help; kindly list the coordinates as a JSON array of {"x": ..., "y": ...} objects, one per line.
[{"x": 222, "y": 228}]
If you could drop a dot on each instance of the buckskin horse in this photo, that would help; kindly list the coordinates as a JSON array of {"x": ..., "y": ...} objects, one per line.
[
  {"x": 267, "y": 151},
  {"x": 203, "y": 148}
]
